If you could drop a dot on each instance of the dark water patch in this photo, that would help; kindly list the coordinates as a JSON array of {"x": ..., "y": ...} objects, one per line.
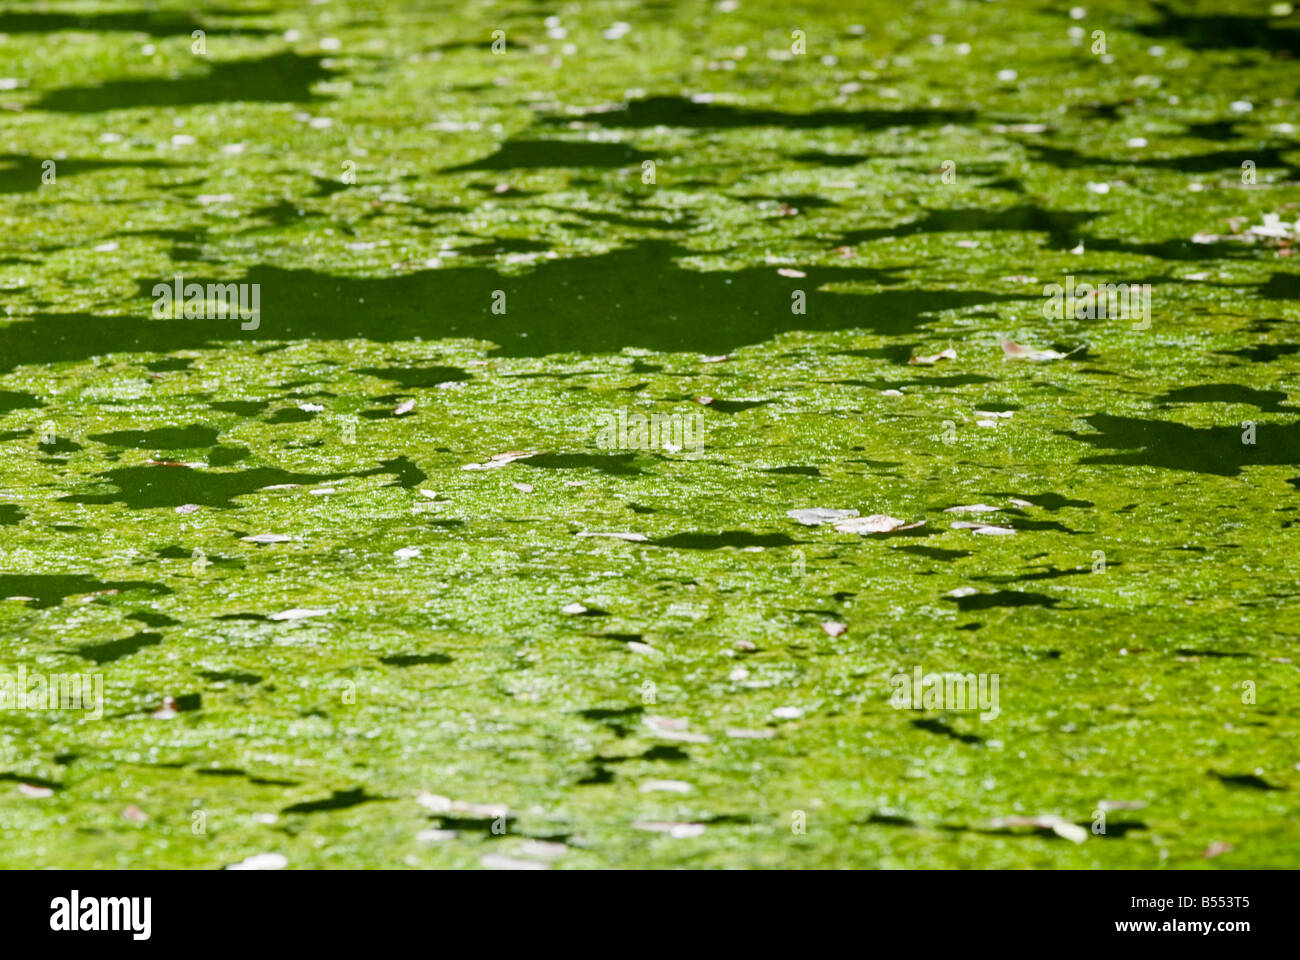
[
  {"x": 1048, "y": 501},
  {"x": 10, "y": 515},
  {"x": 727, "y": 538},
  {"x": 794, "y": 471},
  {"x": 1210, "y": 450},
  {"x": 170, "y": 364},
  {"x": 621, "y": 721},
  {"x": 1248, "y": 780},
  {"x": 278, "y": 78},
  {"x": 144, "y": 488},
  {"x": 1263, "y": 352},
  {"x": 290, "y": 415},
  {"x": 1281, "y": 286},
  {"x": 1068, "y": 158},
  {"x": 235, "y": 617},
  {"x": 540, "y": 154},
  {"x": 8, "y": 435},
  {"x": 116, "y": 649},
  {"x": 1268, "y": 401},
  {"x": 412, "y": 378},
  {"x": 933, "y": 553},
  {"x": 1187, "y": 652},
  {"x": 156, "y": 23},
  {"x": 1061, "y": 226},
  {"x": 231, "y": 676},
  {"x": 11, "y": 777},
  {"x": 49, "y": 590},
  {"x": 241, "y": 408},
  {"x": 1220, "y": 32},
  {"x": 185, "y": 553},
  {"x": 20, "y": 173},
  {"x": 1048, "y": 525},
  {"x": 505, "y": 245},
  {"x": 405, "y": 473},
  {"x": 338, "y": 800},
  {"x": 683, "y": 222},
  {"x": 1051, "y": 573},
  {"x": 829, "y": 159},
  {"x": 60, "y": 445},
  {"x": 151, "y": 619},
  {"x": 649, "y": 300},
  {"x": 792, "y": 204},
  {"x": 666, "y": 754},
  {"x": 613, "y": 464},
  {"x": 193, "y": 437},
  {"x": 13, "y": 400},
  {"x": 1216, "y": 130},
  {"x": 415, "y": 659},
  {"x": 684, "y": 112},
  {"x": 888, "y": 820},
  {"x": 1003, "y": 598},
  {"x": 1177, "y": 249},
  {"x": 737, "y": 406},
  {"x": 226, "y": 456},
  {"x": 1009, "y": 184},
  {"x": 638, "y": 508},
  {"x": 938, "y": 726}
]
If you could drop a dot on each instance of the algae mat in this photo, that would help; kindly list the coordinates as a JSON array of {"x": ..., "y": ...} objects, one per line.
[{"x": 402, "y": 408}]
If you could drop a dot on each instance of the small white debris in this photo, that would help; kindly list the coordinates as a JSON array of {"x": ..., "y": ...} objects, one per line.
[
  {"x": 310, "y": 407},
  {"x": 973, "y": 508},
  {"x": 188, "y": 508},
  {"x": 524, "y": 488},
  {"x": 742, "y": 733},
  {"x": 891, "y": 393},
  {"x": 833, "y": 628},
  {"x": 788, "y": 713},
  {"x": 434, "y": 802},
  {"x": 1137, "y": 143},
  {"x": 1241, "y": 106},
  {"x": 108, "y": 247},
  {"x": 35, "y": 792},
  {"x": 297, "y": 613},
  {"x": 1007, "y": 75},
  {"x": 267, "y": 538},
  {"x": 435, "y": 836},
  {"x": 499, "y": 861},
  {"x": 636, "y": 646},
  {"x": 210, "y": 198},
  {"x": 630, "y": 537},
  {"x": 962, "y": 592},
  {"x": 666, "y": 786},
  {"x": 403, "y": 408},
  {"x": 406, "y": 553},
  {"x": 790, "y": 272},
  {"x": 322, "y": 491},
  {"x": 573, "y": 609},
  {"x": 261, "y": 861}
]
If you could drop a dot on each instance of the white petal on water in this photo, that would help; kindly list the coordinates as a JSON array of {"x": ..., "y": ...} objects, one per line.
[
  {"x": 962, "y": 592},
  {"x": 948, "y": 354},
  {"x": 813, "y": 516},
  {"x": 876, "y": 523},
  {"x": 267, "y": 538},
  {"x": 573, "y": 609},
  {"x": 406, "y": 553},
  {"x": 973, "y": 508},
  {"x": 261, "y": 861},
  {"x": 666, "y": 786},
  {"x": 679, "y": 831},
  {"x": 434, "y": 802},
  {"x": 35, "y": 792},
  {"x": 630, "y": 537},
  {"x": 298, "y": 613},
  {"x": 788, "y": 713},
  {"x": 1017, "y": 351},
  {"x": 834, "y": 628}
]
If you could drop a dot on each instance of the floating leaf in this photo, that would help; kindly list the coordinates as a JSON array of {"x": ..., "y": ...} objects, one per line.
[
  {"x": 814, "y": 516},
  {"x": 1017, "y": 351},
  {"x": 501, "y": 459},
  {"x": 297, "y": 613},
  {"x": 35, "y": 792},
  {"x": 985, "y": 529},
  {"x": 949, "y": 354},
  {"x": 876, "y": 523}
]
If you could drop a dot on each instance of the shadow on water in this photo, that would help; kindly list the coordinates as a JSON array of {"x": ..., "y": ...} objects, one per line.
[
  {"x": 1263, "y": 157},
  {"x": 1268, "y": 401},
  {"x": 116, "y": 649},
  {"x": 683, "y": 112},
  {"x": 634, "y": 297},
  {"x": 156, "y": 23},
  {"x": 49, "y": 590},
  {"x": 1061, "y": 226},
  {"x": 142, "y": 488},
  {"x": 1212, "y": 450},
  {"x": 279, "y": 78},
  {"x": 1222, "y": 32},
  {"x": 536, "y": 154},
  {"x": 22, "y": 174}
]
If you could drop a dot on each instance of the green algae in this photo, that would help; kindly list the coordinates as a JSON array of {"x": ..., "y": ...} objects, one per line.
[{"x": 1147, "y": 594}]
